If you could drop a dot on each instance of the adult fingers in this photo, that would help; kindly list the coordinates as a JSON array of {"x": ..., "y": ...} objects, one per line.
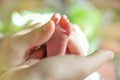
[
  {"x": 72, "y": 67},
  {"x": 78, "y": 43},
  {"x": 96, "y": 60},
  {"x": 69, "y": 67}
]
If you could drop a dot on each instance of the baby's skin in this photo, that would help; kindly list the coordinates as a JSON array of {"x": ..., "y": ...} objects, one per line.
[
  {"x": 21, "y": 56},
  {"x": 57, "y": 44},
  {"x": 66, "y": 39},
  {"x": 56, "y": 37}
]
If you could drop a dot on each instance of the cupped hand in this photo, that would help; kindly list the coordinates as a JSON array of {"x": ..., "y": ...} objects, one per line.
[
  {"x": 20, "y": 52},
  {"x": 68, "y": 67},
  {"x": 14, "y": 48}
]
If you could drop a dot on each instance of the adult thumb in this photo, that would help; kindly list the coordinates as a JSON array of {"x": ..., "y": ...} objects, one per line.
[
  {"x": 95, "y": 61},
  {"x": 73, "y": 67},
  {"x": 33, "y": 37}
]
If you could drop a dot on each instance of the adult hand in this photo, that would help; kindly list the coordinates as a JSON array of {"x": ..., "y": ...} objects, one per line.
[
  {"x": 13, "y": 48},
  {"x": 69, "y": 67}
]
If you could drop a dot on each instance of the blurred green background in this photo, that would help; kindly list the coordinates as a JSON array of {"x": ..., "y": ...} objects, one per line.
[
  {"x": 14, "y": 15},
  {"x": 98, "y": 19},
  {"x": 91, "y": 15}
]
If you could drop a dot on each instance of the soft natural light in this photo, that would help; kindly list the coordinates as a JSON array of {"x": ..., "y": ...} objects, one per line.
[
  {"x": 21, "y": 20},
  {"x": 94, "y": 76}
]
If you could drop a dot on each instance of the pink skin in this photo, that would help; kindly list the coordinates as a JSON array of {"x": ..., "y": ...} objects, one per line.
[
  {"x": 58, "y": 42},
  {"x": 38, "y": 53}
]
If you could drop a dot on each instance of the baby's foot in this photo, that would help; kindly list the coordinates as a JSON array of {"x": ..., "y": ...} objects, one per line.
[{"x": 58, "y": 42}]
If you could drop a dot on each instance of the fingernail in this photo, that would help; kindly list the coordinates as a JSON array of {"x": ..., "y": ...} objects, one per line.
[{"x": 108, "y": 53}]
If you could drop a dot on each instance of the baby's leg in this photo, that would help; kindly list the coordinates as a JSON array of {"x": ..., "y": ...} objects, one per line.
[{"x": 58, "y": 42}]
